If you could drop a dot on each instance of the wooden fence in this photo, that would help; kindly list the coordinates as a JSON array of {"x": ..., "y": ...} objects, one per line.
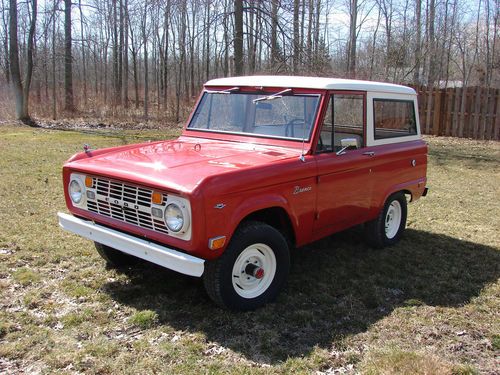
[{"x": 471, "y": 112}]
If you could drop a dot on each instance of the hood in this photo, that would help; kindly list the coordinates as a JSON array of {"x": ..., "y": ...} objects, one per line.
[{"x": 179, "y": 165}]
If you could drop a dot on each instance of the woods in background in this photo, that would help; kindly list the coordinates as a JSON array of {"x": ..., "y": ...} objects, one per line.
[{"x": 149, "y": 58}]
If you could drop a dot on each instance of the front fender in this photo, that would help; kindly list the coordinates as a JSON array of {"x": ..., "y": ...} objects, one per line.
[
  {"x": 225, "y": 215},
  {"x": 259, "y": 203}
]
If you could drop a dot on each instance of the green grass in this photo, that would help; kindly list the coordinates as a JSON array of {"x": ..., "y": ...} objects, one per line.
[{"x": 430, "y": 302}]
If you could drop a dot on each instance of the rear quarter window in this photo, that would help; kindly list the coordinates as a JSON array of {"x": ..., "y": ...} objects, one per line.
[{"x": 393, "y": 118}]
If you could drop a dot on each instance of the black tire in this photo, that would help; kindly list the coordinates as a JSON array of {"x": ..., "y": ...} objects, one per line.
[
  {"x": 375, "y": 231},
  {"x": 115, "y": 258},
  {"x": 218, "y": 276}
]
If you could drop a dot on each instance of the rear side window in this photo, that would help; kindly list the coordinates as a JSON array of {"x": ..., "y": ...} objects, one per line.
[{"x": 393, "y": 118}]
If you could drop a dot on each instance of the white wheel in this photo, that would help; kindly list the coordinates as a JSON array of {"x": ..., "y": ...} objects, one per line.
[
  {"x": 251, "y": 271},
  {"x": 254, "y": 270},
  {"x": 393, "y": 219},
  {"x": 390, "y": 223}
]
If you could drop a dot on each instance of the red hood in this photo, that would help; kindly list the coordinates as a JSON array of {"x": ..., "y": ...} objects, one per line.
[{"x": 179, "y": 165}]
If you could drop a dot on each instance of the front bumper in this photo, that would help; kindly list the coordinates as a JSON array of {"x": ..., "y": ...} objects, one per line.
[{"x": 152, "y": 252}]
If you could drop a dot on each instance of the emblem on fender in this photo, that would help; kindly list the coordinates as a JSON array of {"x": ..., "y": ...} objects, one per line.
[{"x": 298, "y": 189}]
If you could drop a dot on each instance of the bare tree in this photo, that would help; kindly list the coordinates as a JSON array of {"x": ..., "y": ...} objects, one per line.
[
  {"x": 353, "y": 22},
  {"x": 238, "y": 37},
  {"x": 21, "y": 89},
  {"x": 68, "y": 59}
]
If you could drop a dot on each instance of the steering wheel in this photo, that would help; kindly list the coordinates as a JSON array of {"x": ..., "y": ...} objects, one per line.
[{"x": 289, "y": 127}]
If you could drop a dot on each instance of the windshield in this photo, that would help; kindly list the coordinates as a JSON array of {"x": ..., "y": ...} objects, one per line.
[{"x": 255, "y": 114}]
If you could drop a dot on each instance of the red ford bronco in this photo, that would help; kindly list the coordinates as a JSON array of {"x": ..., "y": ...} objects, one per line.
[{"x": 264, "y": 164}]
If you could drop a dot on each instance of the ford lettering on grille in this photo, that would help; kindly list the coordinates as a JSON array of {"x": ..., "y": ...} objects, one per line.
[{"x": 124, "y": 202}]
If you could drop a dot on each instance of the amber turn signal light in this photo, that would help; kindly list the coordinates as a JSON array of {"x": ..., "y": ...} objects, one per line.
[
  {"x": 216, "y": 242},
  {"x": 89, "y": 181},
  {"x": 157, "y": 197}
]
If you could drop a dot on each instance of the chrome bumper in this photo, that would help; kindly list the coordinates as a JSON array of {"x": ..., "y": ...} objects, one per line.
[{"x": 154, "y": 253}]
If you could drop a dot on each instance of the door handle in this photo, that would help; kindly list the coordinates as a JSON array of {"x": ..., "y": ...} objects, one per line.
[{"x": 369, "y": 153}]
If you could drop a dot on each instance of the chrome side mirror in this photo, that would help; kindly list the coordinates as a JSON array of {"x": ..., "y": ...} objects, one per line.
[{"x": 347, "y": 143}]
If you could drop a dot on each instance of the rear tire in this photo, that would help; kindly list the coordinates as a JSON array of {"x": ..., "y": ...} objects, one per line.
[
  {"x": 252, "y": 270},
  {"x": 115, "y": 258},
  {"x": 390, "y": 224}
]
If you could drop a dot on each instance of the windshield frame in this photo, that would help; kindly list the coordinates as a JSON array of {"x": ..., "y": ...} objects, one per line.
[{"x": 260, "y": 91}]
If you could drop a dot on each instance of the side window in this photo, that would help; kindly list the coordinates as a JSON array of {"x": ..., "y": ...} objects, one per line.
[
  {"x": 393, "y": 118},
  {"x": 344, "y": 120}
]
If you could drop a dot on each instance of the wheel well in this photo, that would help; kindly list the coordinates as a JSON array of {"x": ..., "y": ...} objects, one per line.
[
  {"x": 277, "y": 218},
  {"x": 408, "y": 193}
]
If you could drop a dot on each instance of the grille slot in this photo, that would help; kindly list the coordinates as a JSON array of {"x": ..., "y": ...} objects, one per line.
[{"x": 127, "y": 203}]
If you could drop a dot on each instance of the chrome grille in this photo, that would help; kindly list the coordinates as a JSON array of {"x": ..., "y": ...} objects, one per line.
[{"x": 127, "y": 203}]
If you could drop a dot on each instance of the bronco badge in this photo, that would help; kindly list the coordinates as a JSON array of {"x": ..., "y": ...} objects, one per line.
[{"x": 298, "y": 189}]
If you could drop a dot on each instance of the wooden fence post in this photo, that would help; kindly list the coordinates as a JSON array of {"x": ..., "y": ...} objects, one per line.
[{"x": 436, "y": 118}]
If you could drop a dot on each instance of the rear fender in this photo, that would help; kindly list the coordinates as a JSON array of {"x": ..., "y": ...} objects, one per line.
[{"x": 414, "y": 188}]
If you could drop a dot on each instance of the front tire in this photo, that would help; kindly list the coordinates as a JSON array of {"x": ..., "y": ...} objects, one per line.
[
  {"x": 252, "y": 270},
  {"x": 390, "y": 224},
  {"x": 115, "y": 258}
]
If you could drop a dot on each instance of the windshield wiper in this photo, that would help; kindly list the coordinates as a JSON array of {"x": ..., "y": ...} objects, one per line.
[
  {"x": 226, "y": 91},
  {"x": 273, "y": 96}
]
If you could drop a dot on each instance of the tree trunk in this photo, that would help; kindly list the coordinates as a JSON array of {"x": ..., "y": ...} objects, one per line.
[
  {"x": 54, "y": 92},
  {"x": 165, "y": 55},
  {"x": 68, "y": 59},
  {"x": 226, "y": 40},
  {"x": 374, "y": 40},
  {"x": 433, "y": 61},
  {"x": 5, "y": 22},
  {"x": 418, "y": 41},
  {"x": 316, "y": 29},
  {"x": 238, "y": 37},
  {"x": 351, "y": 67},
  {"x": 207, "y": 28},
  {"x": 15, "y": 72},
  {"x": 309, "y": 33},
  {"x": 120, "y": 57},
  {"x": 116, "y": 92},
  {"x": 296, "y": 36},
  {"x": 274, "y": 33},
  {"x": 84, "y": 66},
  {"x": 146, "y": 72},
  {"x": 29, "y": 58},
  {"x": 125, "y": 55},
  {"x": 21, "y": 92}
]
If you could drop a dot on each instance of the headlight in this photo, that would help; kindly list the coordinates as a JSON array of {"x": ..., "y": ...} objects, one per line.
[
  {"x": 76, "y": 191},
  {"x": 174, "y": 218}
]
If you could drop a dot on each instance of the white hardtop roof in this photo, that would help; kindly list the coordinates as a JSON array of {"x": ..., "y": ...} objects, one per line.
[{"x": 311, "y": 83}]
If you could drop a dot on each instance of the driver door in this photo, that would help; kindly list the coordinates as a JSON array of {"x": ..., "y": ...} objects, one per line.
[{"x": 344, "y": 175}]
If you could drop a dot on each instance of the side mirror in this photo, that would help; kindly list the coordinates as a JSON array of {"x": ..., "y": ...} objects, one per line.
[{"x": 347, "y": 143}]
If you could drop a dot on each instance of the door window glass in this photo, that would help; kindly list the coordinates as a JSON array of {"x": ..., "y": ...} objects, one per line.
[{"x": 344, "y": 119}]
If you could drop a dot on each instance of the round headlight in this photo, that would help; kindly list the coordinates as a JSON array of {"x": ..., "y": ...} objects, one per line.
[
  {"x": 76, "y": 191},
  {"x": 174, "y": 218}
]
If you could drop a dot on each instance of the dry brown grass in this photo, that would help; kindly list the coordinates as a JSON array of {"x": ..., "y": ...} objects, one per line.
[{"x": 428, "y": 305}]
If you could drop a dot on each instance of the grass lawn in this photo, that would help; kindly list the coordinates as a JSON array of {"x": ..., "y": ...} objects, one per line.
[{"x": 429, "y": 305}]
